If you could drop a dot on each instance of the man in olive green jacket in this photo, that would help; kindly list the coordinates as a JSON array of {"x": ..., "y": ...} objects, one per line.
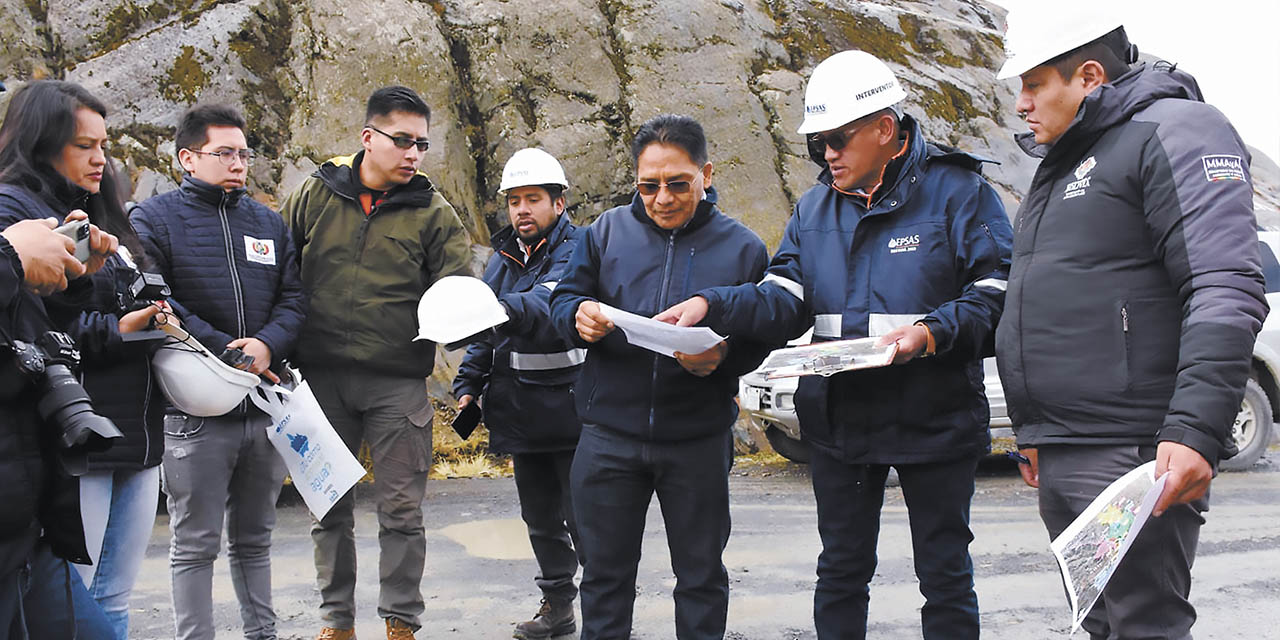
[{"x": 372, "y": 234}]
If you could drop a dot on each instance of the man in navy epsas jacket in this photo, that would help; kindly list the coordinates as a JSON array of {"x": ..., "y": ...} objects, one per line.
[
  {"x": 900, "y": 239},
  {"x": 525, "y": 374},
  {"x": 651, "y": 423}
]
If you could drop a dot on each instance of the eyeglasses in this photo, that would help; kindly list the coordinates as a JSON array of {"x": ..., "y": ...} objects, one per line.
[
  {"x": 404, "y": 142},
  {"x": 837, "y": 140},
  {"x": 228, "y": 156},
  {"x": 651, "y": 188}
]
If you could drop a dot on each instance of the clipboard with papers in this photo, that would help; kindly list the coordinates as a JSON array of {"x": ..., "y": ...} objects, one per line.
[{"x": 828, "y": 358}]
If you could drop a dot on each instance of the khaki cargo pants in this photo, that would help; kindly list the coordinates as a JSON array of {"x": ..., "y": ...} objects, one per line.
[{"x": 393, "y": 415}]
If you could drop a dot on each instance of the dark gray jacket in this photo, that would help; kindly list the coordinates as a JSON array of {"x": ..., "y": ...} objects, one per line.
[{"x": 1136, "y": 290}]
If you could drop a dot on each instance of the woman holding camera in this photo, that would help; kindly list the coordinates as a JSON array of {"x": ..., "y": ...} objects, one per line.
[{"x": 53, "y": 161}]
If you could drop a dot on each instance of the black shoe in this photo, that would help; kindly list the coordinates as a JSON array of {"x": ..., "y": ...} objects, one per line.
[{"x": 554, "y": 618}]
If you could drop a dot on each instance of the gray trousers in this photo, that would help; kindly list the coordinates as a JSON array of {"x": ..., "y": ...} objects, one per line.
[
  {"x": 216, "y": 471},
  {"x": 393, "y": 415},
  {"x": 1147, "y": 596}
]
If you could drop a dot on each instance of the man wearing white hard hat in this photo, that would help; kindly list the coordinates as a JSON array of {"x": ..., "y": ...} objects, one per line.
[
  {"x": 523, "y": 376},
  {"x": 901, "y": 239},
  {"x": 1134, "y": 298}
]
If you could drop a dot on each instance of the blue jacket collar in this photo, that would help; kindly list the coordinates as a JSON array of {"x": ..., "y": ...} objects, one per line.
[{"x": 211, "y": 194}]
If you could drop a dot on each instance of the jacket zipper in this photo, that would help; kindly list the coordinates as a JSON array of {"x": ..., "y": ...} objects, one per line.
[
  {"x": 662, "y": 303},
  {"x": 235, "y": 277},
  {"x": 1124, "y": 318},
  {"x": 231, "y": 264}
]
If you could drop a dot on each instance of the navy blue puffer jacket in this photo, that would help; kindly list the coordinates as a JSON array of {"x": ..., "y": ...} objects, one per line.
[{"x": 230, "y": 262}]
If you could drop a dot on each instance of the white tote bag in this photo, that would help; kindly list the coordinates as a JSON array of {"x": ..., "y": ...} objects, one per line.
[{"x": 322, "y": 467}]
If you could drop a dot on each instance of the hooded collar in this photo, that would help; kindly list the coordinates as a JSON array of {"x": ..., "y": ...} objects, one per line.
[
  {"x": 342, "y": 176},
  {"x": 706, "y": 209},
  {"x": 1117, "y": 102},
  {"x": 209, "y": 193}
]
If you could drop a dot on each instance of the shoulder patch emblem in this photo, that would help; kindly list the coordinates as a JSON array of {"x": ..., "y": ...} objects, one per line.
[
  {"x": 1085, "y": 167},
  {"x": 1223, "y": 167}
]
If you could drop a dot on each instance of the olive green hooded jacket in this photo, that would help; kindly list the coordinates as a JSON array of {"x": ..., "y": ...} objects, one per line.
[{"x": 365, "y": 274}]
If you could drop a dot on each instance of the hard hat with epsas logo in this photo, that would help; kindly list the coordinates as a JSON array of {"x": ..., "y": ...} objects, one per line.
[
  {"x": 845, "y": 87},
  {"x": 532, "y": 168}
]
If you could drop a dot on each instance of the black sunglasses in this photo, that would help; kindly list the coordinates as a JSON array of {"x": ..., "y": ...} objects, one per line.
[
  {"x": 837, "y": 140},
  {"x": 404, "y": 142},
  {"x": 651, "y": 188}
]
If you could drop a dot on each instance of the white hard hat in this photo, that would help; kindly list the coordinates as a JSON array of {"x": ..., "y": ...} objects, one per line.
[
  {"x": 1041, "y": 31},
  {"x": 195, "y": 381},
  {"x": 457, "y": 307},
  {"x": 532, "y": 167},
  {"x": 845, "y": 87}
]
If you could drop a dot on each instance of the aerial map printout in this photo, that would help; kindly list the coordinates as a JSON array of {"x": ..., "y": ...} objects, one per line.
[{"x": 1091, "y": 548}]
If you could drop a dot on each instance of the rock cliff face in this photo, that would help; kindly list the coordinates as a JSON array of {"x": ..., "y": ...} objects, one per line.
[{"x": 575, "y": 77}]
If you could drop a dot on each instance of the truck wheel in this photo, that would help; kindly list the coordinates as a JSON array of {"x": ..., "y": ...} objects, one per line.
[
  {"x": 1252, "y": 428},
  {"x": 793, "y": 450}
]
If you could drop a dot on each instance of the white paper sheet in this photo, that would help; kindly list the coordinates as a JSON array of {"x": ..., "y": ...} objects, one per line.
[
  {"x": 1092, "y": 546},
  {"x": 661, "y": 337}
]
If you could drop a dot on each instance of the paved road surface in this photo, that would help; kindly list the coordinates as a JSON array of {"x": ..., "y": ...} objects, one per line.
[{"x": 479, "y": 574}]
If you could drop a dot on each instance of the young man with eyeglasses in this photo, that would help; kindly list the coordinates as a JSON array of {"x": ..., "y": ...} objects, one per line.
[
  {"x": 231, "y": 266},
  {"x": 653, "y": 423},
  {"x": 901, "y": 239},
  {"x": 373, "y": 234}
]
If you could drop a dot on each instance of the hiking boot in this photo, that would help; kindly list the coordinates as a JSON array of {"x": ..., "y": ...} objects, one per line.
[
  {"x": 554, "y": 618},
  {"x": 398, "y": 629},
  {"x": 329, "y": 633}
]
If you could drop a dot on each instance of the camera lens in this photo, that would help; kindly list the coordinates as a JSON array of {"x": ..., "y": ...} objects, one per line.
[{"x": 65, "y": 406}]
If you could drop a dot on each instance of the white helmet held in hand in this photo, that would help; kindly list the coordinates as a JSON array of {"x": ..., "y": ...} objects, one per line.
[
  {"x": 194, "y": 380},
  {"x": 845, "y": 87},
  {"x": 1041, "y": 31},
  {"x": 531, "y": 168},
  {"x": 458, "y": 307}
]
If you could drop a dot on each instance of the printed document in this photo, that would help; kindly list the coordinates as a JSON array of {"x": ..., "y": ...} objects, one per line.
[{"x": 661, "y": 337}]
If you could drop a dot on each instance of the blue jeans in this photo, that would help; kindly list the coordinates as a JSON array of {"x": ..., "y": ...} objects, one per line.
[
  {"x": 45, "y": 605},
  {"x": 119, "y": 510}
]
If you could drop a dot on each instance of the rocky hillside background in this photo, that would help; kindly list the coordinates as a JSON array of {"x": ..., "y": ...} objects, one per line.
[{"x": 575, "y": 77}]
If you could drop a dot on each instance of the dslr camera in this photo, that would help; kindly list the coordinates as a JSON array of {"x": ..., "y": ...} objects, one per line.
[{"x": 46, "y": 367}]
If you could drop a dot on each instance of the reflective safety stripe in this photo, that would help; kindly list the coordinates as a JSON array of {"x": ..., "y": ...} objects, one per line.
[
  {"x": 992, "y": 283},
  {"x": 828, "y": 325},
  {"x": 545, "y": 361},
  {"x": 794, "y": 288},
  {"x": 879, "y": 324},
  {"x": 550, "y": 284}
]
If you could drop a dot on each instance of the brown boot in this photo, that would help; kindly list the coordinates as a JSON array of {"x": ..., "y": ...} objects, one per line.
[
  {"x": 554, "y": 618},
  {"x": 398, "y": 629},
  {"x": 329, "y": 633}
]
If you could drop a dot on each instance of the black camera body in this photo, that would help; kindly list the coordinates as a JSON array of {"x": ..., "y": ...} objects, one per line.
[
  {"x": 138, "y": 289},
  {"x": 46, "y": 367}
]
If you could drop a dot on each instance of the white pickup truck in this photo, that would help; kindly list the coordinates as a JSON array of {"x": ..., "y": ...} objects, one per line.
[{"x": 770, "y": 404}]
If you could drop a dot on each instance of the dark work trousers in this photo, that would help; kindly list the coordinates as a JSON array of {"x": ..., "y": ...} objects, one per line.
[
  {"x": 542, "y": 481},
  {"x": 849, "y": 499},
  {"x": 613, "y": 478},
  {"x": 12, "y": 584},
  {"x": 1147, "y": 596}
]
